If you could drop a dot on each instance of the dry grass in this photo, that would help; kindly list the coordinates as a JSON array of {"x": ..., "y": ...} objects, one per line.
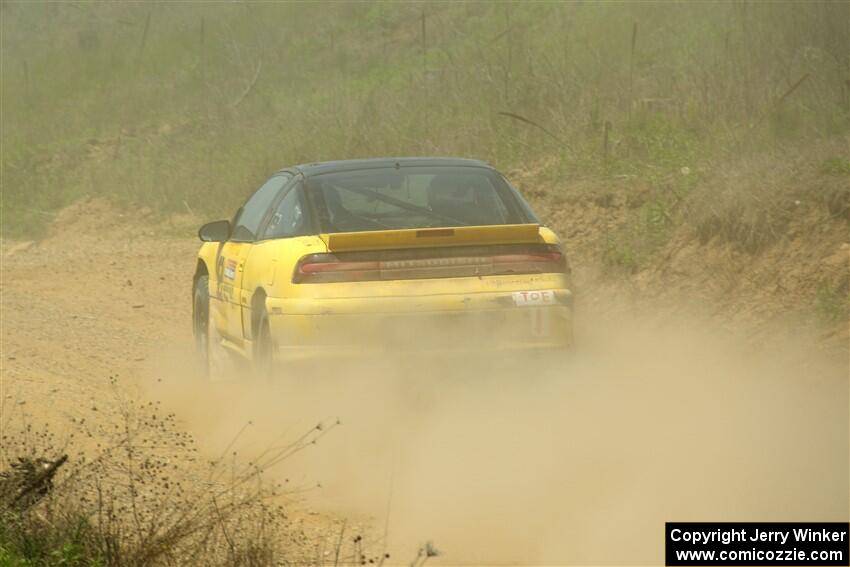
[
  {"x": 164, "y": 105},
  {"x": 144, "y": 497},
  {"x": 751, "y": 202}
]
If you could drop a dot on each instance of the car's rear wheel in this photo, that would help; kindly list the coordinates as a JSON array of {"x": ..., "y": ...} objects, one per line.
[
  {"x": 201, "y": 322},
  {"x": 214, "y": 361},
  {"x": 263, "y": 354}
]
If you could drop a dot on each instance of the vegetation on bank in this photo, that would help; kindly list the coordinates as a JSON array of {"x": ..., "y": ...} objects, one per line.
[{"x": 189, "y": 106}]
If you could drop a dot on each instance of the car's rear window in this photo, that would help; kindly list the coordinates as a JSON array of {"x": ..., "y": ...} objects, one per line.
[{"x": 413, "y": 197}]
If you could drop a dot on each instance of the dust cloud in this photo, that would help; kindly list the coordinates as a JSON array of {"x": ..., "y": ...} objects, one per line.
[{"x": 573, "y": 459}]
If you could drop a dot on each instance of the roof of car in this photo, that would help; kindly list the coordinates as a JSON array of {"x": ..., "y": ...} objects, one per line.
[{"x": 354, "y": 164}]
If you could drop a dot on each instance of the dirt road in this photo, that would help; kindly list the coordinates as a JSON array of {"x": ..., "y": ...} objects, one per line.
[
  {"x": 96, "y": 299},
  {"x": 578, "y": 460}
]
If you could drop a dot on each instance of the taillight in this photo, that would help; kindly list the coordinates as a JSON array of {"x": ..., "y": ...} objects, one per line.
[
  {"x": 317, "y": 268},
  {"x": 430, "y": 263},
  {"x": 556, "y": 257},
  {"x": 550, "y": 259}
]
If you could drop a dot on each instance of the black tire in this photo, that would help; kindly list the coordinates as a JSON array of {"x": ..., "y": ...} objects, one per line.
[
  {"x": 263, "y": 354},
  {"x": 201, "y": 322},
  {"x": 216, "y": 363}
]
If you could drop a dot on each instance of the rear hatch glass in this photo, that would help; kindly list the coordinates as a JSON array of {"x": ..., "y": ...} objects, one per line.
[{"x": 414, "y": 198}]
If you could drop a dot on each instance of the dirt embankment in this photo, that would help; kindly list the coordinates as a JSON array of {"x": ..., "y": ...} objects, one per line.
[{"x": 761, "y": 243}]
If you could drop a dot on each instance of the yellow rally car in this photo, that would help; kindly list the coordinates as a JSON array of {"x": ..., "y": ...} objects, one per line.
[{"x": 407, "y": 254}]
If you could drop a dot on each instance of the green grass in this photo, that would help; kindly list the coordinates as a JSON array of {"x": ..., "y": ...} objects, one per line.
[
  {"x": 836, "y": 166},
  {"x": 630, "y": 247},
  {"x": 832, "y": 301},
  {"x": 28, "y": 547},
  {"x": 144, "y": 102}
]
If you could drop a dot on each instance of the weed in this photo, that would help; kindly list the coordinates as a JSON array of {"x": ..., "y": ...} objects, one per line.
[
  {"x": 631, "y": 247},
  {"x": 832, "y": 302},
  {"x": 751, "y": 201},
  {"x": 836, "y": 166},
  {"x": 143, "y": 497}
]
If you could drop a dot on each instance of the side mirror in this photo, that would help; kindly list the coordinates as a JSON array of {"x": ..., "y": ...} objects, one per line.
[{"x": 216, "y": 231}]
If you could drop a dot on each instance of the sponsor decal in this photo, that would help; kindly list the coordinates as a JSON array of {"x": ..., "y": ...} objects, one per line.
[{"x": 230, "y": 269}]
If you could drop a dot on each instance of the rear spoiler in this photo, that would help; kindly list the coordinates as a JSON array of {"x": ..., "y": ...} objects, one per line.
[{"x": 432, "y": 237}]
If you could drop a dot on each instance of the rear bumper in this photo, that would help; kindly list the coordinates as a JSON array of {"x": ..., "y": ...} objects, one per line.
[{"x": 434, "y": 325}]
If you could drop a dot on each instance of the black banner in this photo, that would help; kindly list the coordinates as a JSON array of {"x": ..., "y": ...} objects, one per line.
[{"x": 753, "y": 543}]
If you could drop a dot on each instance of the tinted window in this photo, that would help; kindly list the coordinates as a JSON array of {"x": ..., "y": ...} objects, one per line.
[
  {"x": 526, "y": 208},
  {"x": 251, "y": 215},
  {"x": 415, "y": 197},
  {"x": 289, "y": 218}
]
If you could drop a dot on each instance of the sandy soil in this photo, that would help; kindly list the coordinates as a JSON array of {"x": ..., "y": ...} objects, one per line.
[{"x": 567, "y": 460}]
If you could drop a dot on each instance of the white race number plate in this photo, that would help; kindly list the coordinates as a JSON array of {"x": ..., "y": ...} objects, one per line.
[{"x": 543, "y": 297}]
